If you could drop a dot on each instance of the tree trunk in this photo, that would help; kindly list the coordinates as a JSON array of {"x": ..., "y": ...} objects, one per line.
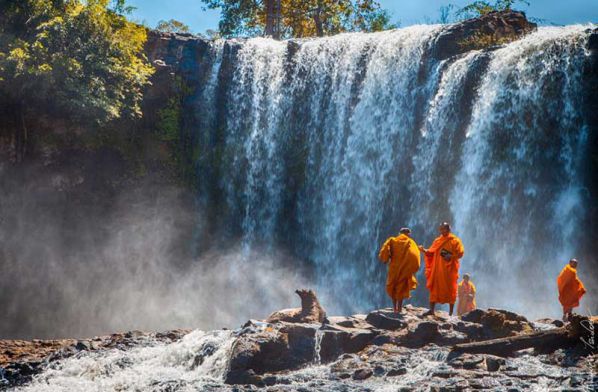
[
  {"x": 579, "y": 331},
  {"x": 273, "y": 17},
  {"x": 318, "y": 20},
  {"x": 505, "y": 347}
]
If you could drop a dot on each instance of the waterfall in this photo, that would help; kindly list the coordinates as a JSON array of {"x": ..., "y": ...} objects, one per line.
[{"x": 325, "y": 147}]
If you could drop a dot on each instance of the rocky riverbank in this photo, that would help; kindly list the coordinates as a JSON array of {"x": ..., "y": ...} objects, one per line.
[{"x": 376, "y": 351}]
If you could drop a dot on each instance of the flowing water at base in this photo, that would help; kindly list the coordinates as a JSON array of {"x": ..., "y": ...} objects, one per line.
[{"x": 197, "y": 361}]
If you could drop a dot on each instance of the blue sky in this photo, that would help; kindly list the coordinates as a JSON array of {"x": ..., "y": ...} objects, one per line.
[{"x": 407, "y": 12}]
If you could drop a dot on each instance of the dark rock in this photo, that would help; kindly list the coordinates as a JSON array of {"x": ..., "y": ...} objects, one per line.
[
  {"x": 498, "y": 324},
  {"x": 379, "y": 371},
  {"x": 243, "y": 377},
  {"x": 509, "y": 316},
  {"x": 383, "y": 339},
  {"x": 386, "y": 320},
  {"x": 362, "y": 374},
  {"x": 466, "y": 361},
  {"x": 472, "y": 330},
  {"x": 396, "y": 372},
  {"x": 493, "y": 364},
  {"x": 83, "y": 345},
  {"x": 424, "y": 333},
  {"x": 445, "y": 373},
  {"x": 593, "y": 41},
  {"x": 270, "y": 380},
  {"x": 491, "y": 29},
  {"x": 475, "y": 316},
  {"x": 290, "y": 347},
  {"x": 337, "y": 341}
]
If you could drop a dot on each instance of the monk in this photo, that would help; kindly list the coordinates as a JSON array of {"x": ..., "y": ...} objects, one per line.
[
  {"x": 402, "y": 256},
  {"x": 466, "y": 294},
  {"x": 442, "y": 268},
  {"x": 570, "y": 288}
]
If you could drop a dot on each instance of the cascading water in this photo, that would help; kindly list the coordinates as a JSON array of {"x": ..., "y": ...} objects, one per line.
[
  {"x": 326, "y": 147},
  {"x": 192, "y": 364}
]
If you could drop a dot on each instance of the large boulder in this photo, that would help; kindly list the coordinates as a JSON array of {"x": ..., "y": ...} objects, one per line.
[
  {"x": 488, "y": 30},
  {"x": 264, "y": 349},
  {"x": 335, "y": 340},
  {"x": 498, "y": 323}
]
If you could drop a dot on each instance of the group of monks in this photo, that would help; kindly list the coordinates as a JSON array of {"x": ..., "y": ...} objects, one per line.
[{"x": 442, "y": 260}]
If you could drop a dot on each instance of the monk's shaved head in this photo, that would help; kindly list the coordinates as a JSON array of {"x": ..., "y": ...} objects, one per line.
[
  {"x": 573, "y": 263},
  {"x": 444, "y": 228},
  {"x": 405, "y": 230},
  {"x": 466, "y": 277}
]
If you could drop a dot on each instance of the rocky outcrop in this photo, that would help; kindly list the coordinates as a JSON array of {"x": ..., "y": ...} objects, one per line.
[
  {"x": 310, "y": 311},
  {"x": 495, "y": 28},
  {"x": 265, "y": 349},
  {"x": 411, "y": 349}
]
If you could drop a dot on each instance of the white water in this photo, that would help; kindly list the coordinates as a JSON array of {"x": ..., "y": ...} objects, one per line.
[
  {"x": 198, "y": 360},
  {"x": 328, "y": 146}
]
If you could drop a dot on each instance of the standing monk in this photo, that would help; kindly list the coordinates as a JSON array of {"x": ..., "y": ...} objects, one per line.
[
  {"x": 570, "y": 288},
  {"x": 402, "y": 256},
  {"x": 442, "y": 268},
  {"x": 466, "y": 294}
]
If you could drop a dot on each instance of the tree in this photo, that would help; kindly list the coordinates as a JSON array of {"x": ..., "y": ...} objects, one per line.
[
  {"x": 298, "y": 18},
  {"x": 69, "y": 59},
  {"x": 172, "y": 26},
  {"x": 479, "y": 8}
]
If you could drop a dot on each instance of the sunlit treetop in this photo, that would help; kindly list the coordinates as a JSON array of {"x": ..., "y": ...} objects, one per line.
[{"x": 298, "y": 18}]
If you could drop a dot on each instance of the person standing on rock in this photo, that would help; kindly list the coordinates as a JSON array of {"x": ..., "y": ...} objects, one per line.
[
  {"x": 570, "y": 288},
  {"x": 402, "y": 255},
  {"x": 466, "y": 295},
  {"x": 442, "y": 268}
]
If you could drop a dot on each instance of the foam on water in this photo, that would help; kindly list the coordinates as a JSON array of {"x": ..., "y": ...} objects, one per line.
[{"x": 199, "y": 359}]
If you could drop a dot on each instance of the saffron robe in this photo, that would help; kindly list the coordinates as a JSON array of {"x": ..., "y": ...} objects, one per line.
[
  {"x": 466, "y": 294},
  {"x": 404, "y": 263},
  {"x": 570, "y": 288},
  {"x": 442, "y": 275}
]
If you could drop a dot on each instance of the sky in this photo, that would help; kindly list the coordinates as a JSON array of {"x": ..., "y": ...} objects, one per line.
[{"x": 406, "y": 12}]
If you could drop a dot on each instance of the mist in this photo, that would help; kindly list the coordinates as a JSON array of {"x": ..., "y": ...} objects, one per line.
[{"x": 80, "y": 263}]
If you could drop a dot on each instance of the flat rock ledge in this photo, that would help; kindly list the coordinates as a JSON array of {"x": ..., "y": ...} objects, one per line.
[{"x": 263, "y": 352}]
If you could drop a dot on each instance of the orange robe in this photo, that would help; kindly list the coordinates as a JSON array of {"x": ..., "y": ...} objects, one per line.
[
  {"x": 404, "y": 263},
  {"x": 442, "y": 275},
  {"x": 570, "y": 288},
  {"x": 466, "y": 294}
]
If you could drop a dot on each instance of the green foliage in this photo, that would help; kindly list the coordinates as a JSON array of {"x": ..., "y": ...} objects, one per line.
[
  {"x": 169, "y": 120},
  {"x": 180, "y": 153},
  {"x": 300, "y": 18},
  {"x": 479, "y": 8},
  {"x": 172, "y": 26},
  {"x": 73, "y": 59}
]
